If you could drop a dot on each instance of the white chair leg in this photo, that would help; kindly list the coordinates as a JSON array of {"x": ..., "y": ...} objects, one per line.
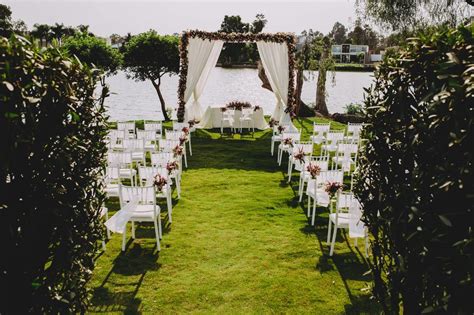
[
  {"x": 133, "y": 229},
  {"x": 106, "y": 218},
  {"x": 103, "y": 246},
  {"x": 309, "y": 206},
  {"x": 157, "y": 235},
  {"x": 159, "y": 226},
  {"x": 124, "y": 238},
  {"x": 290, "y": 168},
  {"x": 313, "y": 217},
  {"x": 272, "y": 148},
  {"x": 178, "y": 185},
  {"x": 366, "y": 247},
  {"x": 190, "y": 147},
  {"x": 355, "y": 241},
  {"x": 329, "y": 232},
  {"x": 331, "y": 250},
  {"x": 170, "y": 206}
]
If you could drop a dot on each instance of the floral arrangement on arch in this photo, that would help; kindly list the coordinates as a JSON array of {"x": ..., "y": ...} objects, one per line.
[
  {"x": 160, "y": 182},
  {"x": 333, "y": 187},
  {"x": 287, "y": 38},
  {"x": 237, "y": 105}
]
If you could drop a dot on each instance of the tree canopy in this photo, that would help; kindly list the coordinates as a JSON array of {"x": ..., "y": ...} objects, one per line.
[
  {"x": 149, "y": 56},
  {"x": 93, "y": 51}
]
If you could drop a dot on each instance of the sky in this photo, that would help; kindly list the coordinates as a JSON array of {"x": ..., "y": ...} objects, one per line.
[{"x": 106, "y": 17}]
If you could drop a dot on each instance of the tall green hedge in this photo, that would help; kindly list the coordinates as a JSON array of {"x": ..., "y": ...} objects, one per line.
[
  {"x": 416, "y": 175},
  {"x": 52, "y": 153}
]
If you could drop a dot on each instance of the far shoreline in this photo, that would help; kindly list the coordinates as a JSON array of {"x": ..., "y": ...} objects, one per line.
[{"x": 339, "y": 67}]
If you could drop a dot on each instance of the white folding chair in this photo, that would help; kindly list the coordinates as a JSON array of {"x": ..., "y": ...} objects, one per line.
[
  {"x": 156, "y": 126},
  {"x": 339, "y": 217},
  {"x": 319, "y": 132},
  {"x": 316, "y": 190},
  {"x": 124, "y": 161},
  {"x": 346, "y": 155},
  {"x": 247, "y": 117},
  {"x": 147, "y": 176},
  {"x": 129, "y": 128},
  {"x": 353, "y": 131},
  {"x": 228, "y": 117},
  {"x": 305, "y": 176},
  {"x": 112, "y": 181},
  {"x": 299, "y": 147},
  {"x": 178, "y": 126},
  {"x": 330, "y": 142},
  {"x": 144, "y": 210},
  {"x": 282, "y": 148},
  {"x": 150, "y": 137},
  {"x": 114, "y": 139},
  {"x": 137, "y": 148},
  {"x": 357, "y": 228}
]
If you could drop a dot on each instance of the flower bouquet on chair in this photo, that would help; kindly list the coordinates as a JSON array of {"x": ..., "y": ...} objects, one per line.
[
  {"x": 288, "y": 142},
  {"x": 160, "y": 182},
  {"x": 178, "y": 151},
  {"x": 192, "y": 123},
  {"x": 332, "y": 188},
  {"x": 281, "y": 128},
  {"x": 172, "y": 166},
  {"x": 272, "y": 123},
  {"x": 313, "y": 169},
  {"x": 299, "y": 158}
]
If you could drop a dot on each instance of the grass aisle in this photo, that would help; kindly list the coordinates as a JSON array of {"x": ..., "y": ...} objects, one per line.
[{"x": 239, "y": 243}]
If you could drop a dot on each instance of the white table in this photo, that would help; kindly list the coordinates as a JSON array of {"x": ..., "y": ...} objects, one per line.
[{"x": 212, "y": 118}]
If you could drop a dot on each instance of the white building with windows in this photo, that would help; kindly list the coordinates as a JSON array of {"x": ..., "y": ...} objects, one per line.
[{"x": 347, "y": 53}]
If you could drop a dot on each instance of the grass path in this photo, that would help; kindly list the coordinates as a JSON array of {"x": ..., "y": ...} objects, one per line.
[{"x": 239, "y": 243}]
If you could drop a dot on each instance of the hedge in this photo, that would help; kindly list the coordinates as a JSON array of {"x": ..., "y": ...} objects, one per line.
[
  {"x": 415, "y": 177},
  {"x": 52, "y": 131}
]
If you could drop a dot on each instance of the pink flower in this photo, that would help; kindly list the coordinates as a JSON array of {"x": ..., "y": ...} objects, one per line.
[
  {"x": 288, "y": 141},
  {"x": 281, "y": 128},
  {"x": 160, "y": 182},
  {"x": 178, "y": 151},
  {"x": 272, "y": 123},
  {"x": 171, "y": 166},
  {"x": 299, "y": 156},
  {"x": 313, "y": 169},
  {"x": 182, "y": 140},
  {"x": 185, "y": 130}
]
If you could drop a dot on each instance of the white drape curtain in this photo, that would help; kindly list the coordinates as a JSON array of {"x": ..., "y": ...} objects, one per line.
[
  {"x": 274, "y": 58},
  {"x": 202, "y": 58}
]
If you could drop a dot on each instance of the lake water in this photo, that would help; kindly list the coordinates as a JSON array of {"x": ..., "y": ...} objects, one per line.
[{"x": 138, "y": 100}]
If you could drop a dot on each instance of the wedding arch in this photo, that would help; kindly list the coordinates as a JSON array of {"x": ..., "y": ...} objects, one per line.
[{"x": 200, "y": 50}]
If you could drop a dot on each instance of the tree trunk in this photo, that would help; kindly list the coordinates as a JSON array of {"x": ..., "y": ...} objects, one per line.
[
  {"x": 160, "y": 96},
  {"x": 321, "y": 105},
  {"x": 302, "y": 110}
]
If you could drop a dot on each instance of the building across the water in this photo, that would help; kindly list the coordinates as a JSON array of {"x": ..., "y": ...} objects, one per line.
[{"x": 349, "y": 53}]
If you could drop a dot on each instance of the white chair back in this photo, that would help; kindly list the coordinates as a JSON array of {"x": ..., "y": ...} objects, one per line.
[
  {"x": 148, "y": 135},
  {"x": 321, "y": 128},
  {"x": 354, "y": 128},
  {"x": 167, "y": 145},
  {"x": 329, "y": 176},
  {"x": 147, "y": 174},
  {"x": 134, "y": 145},
  {"x": 141, "y": 195},
  {"x": 173, "y": 135},
  {"x": 116, "y": 134},
  {"x": 178, "y": 126},
  {"x": 332, "y": 136},
  {"x": 119, "y": 159},
  {"x": 321, "y": 161},
  {"x": 161, "y": 159},
  {"x": 129, "y": 128},
  {"x": 306, "y": 147},
  {"x": 294, "y": 136},
  {"x": 357, "y": 228},
  {"x": 112, "y": 174},
  {"x": 154, "y": 126}
]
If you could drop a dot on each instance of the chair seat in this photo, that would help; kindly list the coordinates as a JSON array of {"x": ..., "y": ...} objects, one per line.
[
  {"x": 285, "y": 147},
  {"x": 329, "y": 147},
  {"x": 276, "y": 138},
  {"x": 138, "y": 155},
  {"x": 322, "y": 197},
  {"x": 342, "y": 220},
  {"x": 245, "y": 118},
  {"x": 144, "y": 212},
  {"x": 127, "y": 172}
]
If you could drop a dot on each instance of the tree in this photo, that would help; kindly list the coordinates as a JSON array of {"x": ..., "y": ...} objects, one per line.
[
  {"x": 5, "y": 20},
  {"x": 406, "y": 14},
  {"x": 41, "y": 32},
  {"x": 93, "y": 51},
  {"x": 149, "y": 56},
  {"x": 338, "y": 33},
  {"x": 233, "y": 52},
  {"x": 325, "y": 63},
  {"x": 258, "y": 24}
]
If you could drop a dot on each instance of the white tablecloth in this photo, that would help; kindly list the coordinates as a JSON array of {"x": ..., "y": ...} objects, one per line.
[{"x": 213, "y": 116}]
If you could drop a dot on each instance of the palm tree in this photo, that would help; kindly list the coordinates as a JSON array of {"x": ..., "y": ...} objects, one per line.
[
  {"x": 58, "y": 31},
  {"x": 41, "y": 32}
]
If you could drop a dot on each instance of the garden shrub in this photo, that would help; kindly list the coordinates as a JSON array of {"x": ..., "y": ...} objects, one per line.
[
  {"x": 415, "y": 177},
  {"x": 52, "y": 133}
]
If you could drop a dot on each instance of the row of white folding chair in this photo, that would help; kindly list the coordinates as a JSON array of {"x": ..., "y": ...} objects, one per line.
[
  {"x": 147, "y": 176},
  {"x": 175, "y": 136},
  {"x": 294, "y": 136},
  {"x": 277, "y": 135},
  {"x": 161, "y": 160},
  {"x": 353, "y": 131},
  {"x": 304, "y": 147},
  {"x": 179, "y": 126},
  {"x": 228, "y": 116},
  {"x": 346, "y": 215},
  {"x": 315, "y": 190},
  {"x": 323, "y": 135},
  {"x": 141, "y": 203}
]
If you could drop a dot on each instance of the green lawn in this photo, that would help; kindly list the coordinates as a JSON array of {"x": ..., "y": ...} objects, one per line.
[{"x": 240, "y": 243}]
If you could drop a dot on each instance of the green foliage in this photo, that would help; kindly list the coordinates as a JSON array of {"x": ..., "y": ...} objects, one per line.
[
  {"x": 415, "y": 178},
  {"x": 148, "y": 56},
  {"x": 94, "y": 52},
  {"x": 52, "y": 134},
  {"x": 5, "y": 20},
  {"x": 354, "y": 109}
]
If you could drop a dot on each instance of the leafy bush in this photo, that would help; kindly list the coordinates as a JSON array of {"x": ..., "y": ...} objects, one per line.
[
  {"x": 415, "y": 178},
  {"x": 354, "y": 109},
  {"x": 52, "y": 138}
]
